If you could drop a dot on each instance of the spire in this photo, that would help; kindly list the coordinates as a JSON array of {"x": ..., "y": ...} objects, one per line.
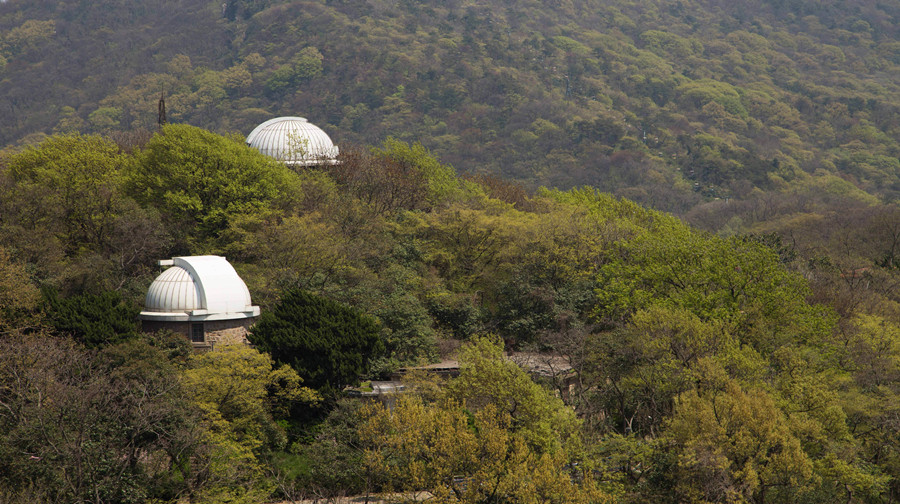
[{"x": 161, "y": 118}]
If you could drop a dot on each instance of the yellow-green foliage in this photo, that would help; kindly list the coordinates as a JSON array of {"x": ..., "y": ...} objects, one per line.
[
  {"x": 238, "y": 390},
  {"x": 739, "y": 439},
  {"x": 78, "y": 176},
  {"x": 205, "y": 180},
  {"x": 491, "y": 434},
  {"x": 487, "y": 378},
  {"x": 795, "y": 348},
  {"x": 443, "y": 185}
]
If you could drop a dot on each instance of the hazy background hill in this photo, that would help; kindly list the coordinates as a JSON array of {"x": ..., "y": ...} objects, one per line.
[{"x": 670, "y": 103}]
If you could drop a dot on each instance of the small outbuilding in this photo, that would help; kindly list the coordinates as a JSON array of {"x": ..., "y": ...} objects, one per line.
[
  {"x": 294, "y": 141},
  {"x": 201, "y": 297}
]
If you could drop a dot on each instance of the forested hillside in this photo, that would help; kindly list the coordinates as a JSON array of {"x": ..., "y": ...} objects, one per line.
[
  {"x": 709, "y": 369},
  {"x": 505, "y": 175},
  {"x": 669, "y": 103}
]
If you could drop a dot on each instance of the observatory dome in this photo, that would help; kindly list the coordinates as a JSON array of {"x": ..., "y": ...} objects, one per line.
[
  {"x": 173, "y": 291},
  {"x": 198, "y": 288},
  {"x": 294, "y": 141}
]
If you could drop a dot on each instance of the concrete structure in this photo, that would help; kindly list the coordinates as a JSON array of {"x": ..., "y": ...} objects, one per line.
[
  {"x": 294, "y": 141},
  {"x": 201, "y": 297},
  {"x": 553, "y": 370}
]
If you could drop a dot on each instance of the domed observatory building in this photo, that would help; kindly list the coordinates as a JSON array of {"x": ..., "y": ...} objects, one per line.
[
  {"x": 294, "y": 141},
  {"x": 201, "y": 297}
]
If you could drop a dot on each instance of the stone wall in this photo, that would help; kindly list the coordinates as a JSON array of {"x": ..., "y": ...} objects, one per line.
[
  {"x": 228, "y": 332},
  {"x": 216, "y": 332},
  {"x": 182, "y": 328}
]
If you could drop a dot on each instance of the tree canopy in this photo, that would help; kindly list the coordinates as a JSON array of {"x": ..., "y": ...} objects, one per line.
[
  {"x": 329, "y": 344},
  {"x": 479, "y": 439},
  {"x": 207, "y": 181},
  {"x": 756, "y": 363}
]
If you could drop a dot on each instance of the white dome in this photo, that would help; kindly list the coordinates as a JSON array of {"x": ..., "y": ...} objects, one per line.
[
  {"x": 198, "y": 288},
  {"x": 294, "y": 141},
  {"x": 173, "y": 291}
]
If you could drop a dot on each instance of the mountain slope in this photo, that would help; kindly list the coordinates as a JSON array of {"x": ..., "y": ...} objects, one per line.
[{"x": 669, "y": 103}]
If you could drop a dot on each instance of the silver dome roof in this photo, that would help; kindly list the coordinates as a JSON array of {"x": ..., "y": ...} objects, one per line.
[
  {"x": 173, "y": 291},
  {"x": 294, "y": 141},
  {"x": 198, "y": 288}
]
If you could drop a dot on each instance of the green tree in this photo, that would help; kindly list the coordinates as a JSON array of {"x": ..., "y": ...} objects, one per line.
[
  {"x": 734, "y": 445},
  {"x": 66, "y": 214},
  {"x": 634, "y": 374},
  {"x": 333, "y": 462},
  {"x": 406, "y": 328},
  {"x": 307, "y": 64},
  {"x": 19, "y": 298},
  {"x": 488, "y": 378},
  {"x": 95, "y": 320},
  {"x": 240, "y": 393},
  {"x": 443, "y": 185},
  {"x": 28, "y": 36},
  {"x": 279, "y": 81},
  {"x": 737, "y": 280},
  {"x": 329, "y": 344},
  {"x": 465, "y": 457},
  {"x": 205, "y": 182},
  {"x": 78, "y": 180},
  {"x": 479, "y": 439},
  {"x": 105, "y": 118}
]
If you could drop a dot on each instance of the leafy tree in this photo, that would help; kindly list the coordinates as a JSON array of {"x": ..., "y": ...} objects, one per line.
[
  {"x": 735, "y": 445},
  {"x": 19, "y": 298},
  {"x": 735, "y": 280},
  {"x": 204, "y": 181},
  {"x": 330, "y": 345},
  {"x": 334, "y": 463},
  {"x": 406, "y": 328},
  {"x": 873, "y": 348},
  {"x": 455, "y": 314},
  {"x": 443, "y": 186},
  {"x": 78, "y": 180},
  {"x": 280, "y": 81},
  {"x": 478, "y": 440},
  {"x": 105, "y": 118},
  {"x": 525, "y": 310},
  {"x": 307, "y": 64},
  {"x": 466, "y": 244},
  {"x": 469, "y": 457},
  {"x": 634, "y": 374},
  {"x": 488, "y": 378},
  {"x": 66, "y": 215},
  {"x": 28, "y": 36},
  {"x": 240, "y": 393}
]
